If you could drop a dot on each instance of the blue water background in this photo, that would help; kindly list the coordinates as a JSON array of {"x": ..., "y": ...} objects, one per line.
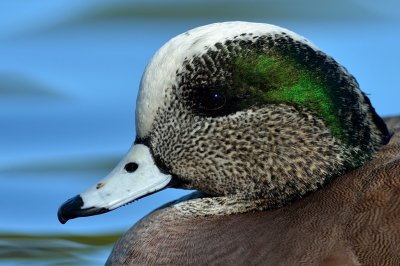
[{"x": 69, "y": 75}]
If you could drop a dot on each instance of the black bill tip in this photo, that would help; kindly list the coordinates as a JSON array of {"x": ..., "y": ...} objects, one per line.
[{"x": 72, "y": 209}]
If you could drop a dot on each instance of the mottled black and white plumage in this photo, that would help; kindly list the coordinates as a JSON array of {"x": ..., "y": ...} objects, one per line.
[{"x": 249, "y": 148}]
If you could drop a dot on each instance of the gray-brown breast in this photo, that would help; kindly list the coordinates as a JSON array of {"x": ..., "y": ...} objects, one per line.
[{"x": 355, "y": 220}]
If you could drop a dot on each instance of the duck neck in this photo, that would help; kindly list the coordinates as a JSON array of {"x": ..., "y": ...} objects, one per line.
[{"x": 201, "y": 204}]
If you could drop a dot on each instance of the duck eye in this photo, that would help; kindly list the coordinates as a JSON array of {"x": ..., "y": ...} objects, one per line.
[{"x": 213, "y": 101}]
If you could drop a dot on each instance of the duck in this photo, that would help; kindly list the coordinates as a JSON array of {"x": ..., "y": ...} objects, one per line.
[{"x": 290, "y": 163}]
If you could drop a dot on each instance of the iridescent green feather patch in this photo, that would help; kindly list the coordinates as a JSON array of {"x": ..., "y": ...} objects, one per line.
[{"x": 279, "y": 78}]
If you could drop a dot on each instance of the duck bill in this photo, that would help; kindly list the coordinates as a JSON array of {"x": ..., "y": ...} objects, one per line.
[{"x": 136, "y": 176}]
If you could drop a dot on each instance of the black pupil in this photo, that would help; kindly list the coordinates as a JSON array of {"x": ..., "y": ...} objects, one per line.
[
  {"x": 131, "y": 167},
  {"x": 213, "y": 101}
]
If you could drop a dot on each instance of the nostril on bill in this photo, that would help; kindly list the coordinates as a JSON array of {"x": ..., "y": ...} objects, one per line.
[{"x": 131, "y": 167}]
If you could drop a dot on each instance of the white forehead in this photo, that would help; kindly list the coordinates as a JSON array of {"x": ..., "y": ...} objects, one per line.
[{"x": 160, "y": 73}]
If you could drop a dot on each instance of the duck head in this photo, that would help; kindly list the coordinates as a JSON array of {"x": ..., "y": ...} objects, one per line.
[{"x": 246, "y": 111}]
